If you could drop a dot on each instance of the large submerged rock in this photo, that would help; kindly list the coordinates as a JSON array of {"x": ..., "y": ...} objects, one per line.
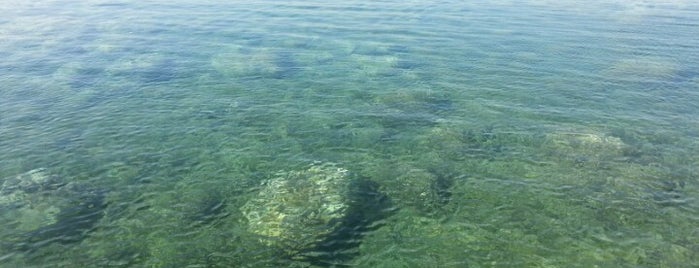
[{"x": 297, "y": 210}]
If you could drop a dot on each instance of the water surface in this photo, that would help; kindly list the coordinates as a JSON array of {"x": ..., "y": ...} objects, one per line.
[{"x": 541, "y": 133}]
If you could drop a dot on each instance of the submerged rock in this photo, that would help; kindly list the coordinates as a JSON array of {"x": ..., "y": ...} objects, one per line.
[
  {"x": 419, "y": 189},
  {"x": 297, "y": 210},
  {"x": 38, "y": 208},
  {"x": 585, "y": 148}
]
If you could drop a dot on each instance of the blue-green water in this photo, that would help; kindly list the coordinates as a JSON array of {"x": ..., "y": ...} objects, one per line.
[{"x": 509, "y": 134}]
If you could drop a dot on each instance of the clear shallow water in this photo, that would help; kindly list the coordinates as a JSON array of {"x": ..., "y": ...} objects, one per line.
[{"x": 541, "y": 133}]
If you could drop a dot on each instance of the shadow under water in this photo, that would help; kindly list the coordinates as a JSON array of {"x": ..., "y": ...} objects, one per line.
[
  {"x": 366, "y": 212},
  {"x": 72, "y": 225}
]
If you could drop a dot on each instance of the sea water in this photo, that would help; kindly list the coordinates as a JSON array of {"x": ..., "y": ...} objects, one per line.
[{"x": 526, "y": 133}]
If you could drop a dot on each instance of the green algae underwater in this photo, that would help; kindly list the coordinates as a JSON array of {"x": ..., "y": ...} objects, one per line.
[{"x": 356, "y": 134}]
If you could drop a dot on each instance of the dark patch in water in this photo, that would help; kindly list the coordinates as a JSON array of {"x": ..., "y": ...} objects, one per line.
[
  {"x": 442, "y": 186},
  {"x": 72, "y": 225},
  {"x": 368, "y": 208},
  {"x": 85, "y": 77},
  {"x": 404, "y": 118},
  {"x": 438, "y": 105},
  {"x": 73, "y": 140},
  {"x": 398, "y": 49},
  {"x": 252, "y": 39},
  {"x": 158, "y": 31},
  {"x": 668, "y": 193},
  {"x": 287, "y": 66},
  {"x": 36, "y": 67},
  {"x": 163, "y": 71},
  {"x": 685, "y": 75},
  {"x": 159, "y": 72},
  {"x": 208, "y": 210},
  {"x": 405, "y": 64},
  {"x": 423, "y": 107}
]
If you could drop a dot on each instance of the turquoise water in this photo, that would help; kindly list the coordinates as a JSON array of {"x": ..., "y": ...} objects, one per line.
[{"x": 509, "y": 134}]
